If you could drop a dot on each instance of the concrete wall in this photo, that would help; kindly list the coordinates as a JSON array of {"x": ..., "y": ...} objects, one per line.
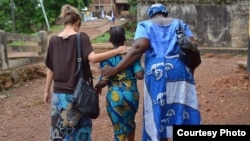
[
  {"x": 23, "y": 54},
  {"x": 215, "y": 23}
]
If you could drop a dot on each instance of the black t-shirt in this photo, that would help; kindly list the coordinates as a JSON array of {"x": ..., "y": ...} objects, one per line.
[{"x": 61, "y": 58}]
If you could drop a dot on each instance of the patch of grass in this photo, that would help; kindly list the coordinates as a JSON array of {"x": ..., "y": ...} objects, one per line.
[
  {"x": 105, "y": 37},
  {"x": 6, "y": 93},
  {"x": 56, "y": 28},
  {"x": 102, "y": 39},
  {"x": 16, "y": 43},
  {"x": 131, "y": 26},
  {"x": 129, "y": 33}
]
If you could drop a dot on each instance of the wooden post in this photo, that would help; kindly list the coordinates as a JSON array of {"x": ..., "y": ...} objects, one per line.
[
  {"x": 43, "y": 44},
  {"x": 248, "y": 54},
  {"x": 3, "y": 51}
]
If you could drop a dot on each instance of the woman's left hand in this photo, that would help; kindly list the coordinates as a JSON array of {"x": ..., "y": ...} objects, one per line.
[
  {"x": 99, "y": 91},
  {"x": 123, "y": 49},
  {"x": 109, "y": 71},
  {"x": 47, "y": 97}
]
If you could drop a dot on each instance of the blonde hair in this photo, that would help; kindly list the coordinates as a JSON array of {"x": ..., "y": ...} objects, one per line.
[{"x": 70, "y": 15}]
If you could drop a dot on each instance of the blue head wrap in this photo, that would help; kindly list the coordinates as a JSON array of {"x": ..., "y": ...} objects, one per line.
[{"x": 157, "y": 8}]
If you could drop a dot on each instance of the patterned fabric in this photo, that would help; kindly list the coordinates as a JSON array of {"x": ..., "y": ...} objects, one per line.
[
  {"x": 122, "y": 98},
  {"x": 66, "y": 123},
  {"x": 169, "y": 93},
  {"x": 157, "y": 8}
]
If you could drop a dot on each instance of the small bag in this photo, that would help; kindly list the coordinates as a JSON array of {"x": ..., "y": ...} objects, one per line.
[
  {"x": 85, "y": 99},
  {"x": 189, "y": 53}
]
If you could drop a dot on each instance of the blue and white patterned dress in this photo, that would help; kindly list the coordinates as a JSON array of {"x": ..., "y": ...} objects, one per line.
[{"x": 169, "y": 90}]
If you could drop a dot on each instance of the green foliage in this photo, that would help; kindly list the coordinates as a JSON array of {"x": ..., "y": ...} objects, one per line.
[
  {"x": 133, "y": 7},
  {"x": 131, "y": 26},
  {"x": 56, "y": 28},
  {"x": 5, "y": 16},
  {"x": 16, "y": 43},
  {"x": 130, "y": 35},
  {"x": 25, "y": 16},
  {"x": 6, "y": 93},
  {"x": 53, "y": 8},
  {"x": 28, "y": 14},
  {"x": 86, "y": 3}
]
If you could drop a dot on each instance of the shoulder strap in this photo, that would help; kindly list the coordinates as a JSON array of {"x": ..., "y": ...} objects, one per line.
[
  {"x": 79, "y": 56},
  {"x": 180, "y": 26},
  {"x": 88, "y": 75}
]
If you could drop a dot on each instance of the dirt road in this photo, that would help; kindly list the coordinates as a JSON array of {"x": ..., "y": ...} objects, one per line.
[{"x": 223, "y": 90}]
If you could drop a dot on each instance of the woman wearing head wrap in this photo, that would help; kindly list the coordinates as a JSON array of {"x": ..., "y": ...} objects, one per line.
[
  {"x": 170, "y": 96},
  {"x": 61, "y": 61}
]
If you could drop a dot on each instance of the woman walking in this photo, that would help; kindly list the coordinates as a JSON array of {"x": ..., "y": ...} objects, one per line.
[{"x": 61, "y": 61}]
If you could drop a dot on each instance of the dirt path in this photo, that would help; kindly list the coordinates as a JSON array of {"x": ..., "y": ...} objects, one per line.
[
  {"x": 223, "y": 90},
  {"x": 98, "y": 27}
]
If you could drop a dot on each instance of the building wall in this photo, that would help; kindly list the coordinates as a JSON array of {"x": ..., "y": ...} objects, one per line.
[
  {"x": 108, "y": 5},
  {"x": 215, "y": 23},
  {"x": 104, "y": 5}
]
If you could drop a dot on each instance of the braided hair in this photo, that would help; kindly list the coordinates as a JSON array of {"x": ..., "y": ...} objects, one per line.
[{"x": 117, "y": 36}]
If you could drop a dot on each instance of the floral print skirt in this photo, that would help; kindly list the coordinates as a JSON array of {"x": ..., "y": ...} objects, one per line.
[
  {"x": 122, "y": 107},
  {"x": 68, "y": 124}
]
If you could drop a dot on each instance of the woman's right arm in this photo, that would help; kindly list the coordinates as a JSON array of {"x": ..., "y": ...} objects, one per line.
[
  {"x": 95, "y": 58},
  {"x": 47, "y": 92},
  {"x": 139, "y": 47},
  {"x": 98, "y": 57},
  {"x": 139, "y": 75}
]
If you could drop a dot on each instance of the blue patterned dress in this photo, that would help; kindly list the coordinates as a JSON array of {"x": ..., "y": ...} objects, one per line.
[
  {"x": 68, "y": 124},
  {"x": 122, "y": 99},
  {"x": 169, "y": 89}
]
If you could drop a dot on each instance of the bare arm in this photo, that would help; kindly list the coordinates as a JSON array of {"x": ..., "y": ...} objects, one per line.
[
  {"x": 47, "y": 92},
  {"x": 101, "y": 84},
  {"x": 140, "y": 75},
  {"x": 94, "y": 58},
  {"x": 138, "y": 48}
]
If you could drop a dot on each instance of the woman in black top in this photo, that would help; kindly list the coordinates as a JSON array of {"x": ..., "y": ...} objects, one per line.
[{"x": 66, "y": 123}]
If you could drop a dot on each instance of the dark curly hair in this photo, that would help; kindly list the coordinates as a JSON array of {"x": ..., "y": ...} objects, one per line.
[{"x": 117, "y": 36}]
